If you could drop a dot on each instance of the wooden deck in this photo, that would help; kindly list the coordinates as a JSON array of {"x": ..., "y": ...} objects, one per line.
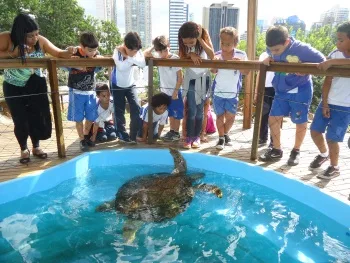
[{"x": 339, "y": 187}]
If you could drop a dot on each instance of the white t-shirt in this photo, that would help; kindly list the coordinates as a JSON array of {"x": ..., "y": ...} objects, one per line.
[
  {"x": 168, "y": 77},
  {"x": 162, "y": 119},
  {"x": 339, "y": 93},
  {"x": 269, "y": 74},
  {"x": 228, "y": 82},
  {"x": 104, "y": 115}
]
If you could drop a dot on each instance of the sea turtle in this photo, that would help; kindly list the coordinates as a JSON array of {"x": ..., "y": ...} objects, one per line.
[{"x": 156, "y": 197}]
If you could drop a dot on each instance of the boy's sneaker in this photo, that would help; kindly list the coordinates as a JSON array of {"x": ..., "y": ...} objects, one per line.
[
  {"x": 196, "y": 142},
  {"x": 127, "y": 140},
  {"x": 227, "y": 140},
  {"x": 271, "y": 155},
  {"x": 168, "y": 136},
  {"x": 187, "y": 143},
  {"x": 221, "y": 144},
  {"x": 330, "y": 173},
  {"x": 176, "y": 136},
  {"x": 294, "y": 157},
  {"x": 318, "y": 161},
  {"x": 90, "y": 143},
  {"x": 262, "y": 142},
  {"x": 84, "y": 146}
]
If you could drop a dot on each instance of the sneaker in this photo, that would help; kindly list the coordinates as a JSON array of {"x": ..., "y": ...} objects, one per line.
[
  {"x": 187, "y": 143},
  {"x": 330, "y": 173},
  {"x": 294, "y": 157},
  {"x": 84, "y": 146},
  {"x": 227, "y": 140},
  {"x": 262, "y": 142},
  {"x": 271, "y": 155},
  {"x": 168, "y": 136},
  {"x": 176, "y": 136},
  {"x": 127, "y": 140},
  {"x": 318, "y": 161},
  {"x": 221, "y": 144},
  {"x": 90, "y": 143},
  {"x": 196, "y": 142}
]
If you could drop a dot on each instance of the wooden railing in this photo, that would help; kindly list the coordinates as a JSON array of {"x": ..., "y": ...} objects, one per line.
[{"x": 52, "y": 63}]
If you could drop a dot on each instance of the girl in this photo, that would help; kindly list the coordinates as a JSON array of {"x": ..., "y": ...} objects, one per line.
[
  {"x": 24, "y": 42},
  {"x": 195, "y": 43}
]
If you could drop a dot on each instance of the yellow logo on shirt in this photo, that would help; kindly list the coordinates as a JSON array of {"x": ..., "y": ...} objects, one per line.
[{"x": 292, "y": 59}]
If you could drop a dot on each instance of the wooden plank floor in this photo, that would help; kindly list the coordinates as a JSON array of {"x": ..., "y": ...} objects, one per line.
[{"x": 339, "y": 187}]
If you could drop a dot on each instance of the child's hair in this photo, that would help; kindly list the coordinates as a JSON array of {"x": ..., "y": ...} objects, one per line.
[
  {"x": 190, "y": 30},
  {"x": 132, "y": 41},
  {"x": 88, "y": 39},
  {"x": 160, "y": 43},
  {"x": 101, "y": 87},
  {"x": 344, "y": 28},
  {"x": 160, "y": 99},
  {"x": 22, "y": 25},
  {"x": 231, "y": 31},
  {"x": 276, "y": 35}
]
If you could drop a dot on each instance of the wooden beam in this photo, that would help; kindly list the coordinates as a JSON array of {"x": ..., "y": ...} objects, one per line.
[
  {"x": 52, "y": 68},
  {"x": 251, "y": 48},
  {"x": 17, "y": 63},
  {"x": 150, "y": 95}
]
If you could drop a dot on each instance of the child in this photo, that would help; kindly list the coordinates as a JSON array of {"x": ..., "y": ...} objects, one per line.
[
  {"x": 195, "y": 43},
  {"x": 226, "y": 86},
  {"x": 160, "y": 104},
  {"x": 104, "y": 127},
  {"x": 123, "y": 85},
  {"x": 333, "y": 112},
  {"x": 293, "y": 92},
  {"x": 81, "y": 83},
  {"x": 170, "y": 84},
  {"x": 268, "y": 99}
]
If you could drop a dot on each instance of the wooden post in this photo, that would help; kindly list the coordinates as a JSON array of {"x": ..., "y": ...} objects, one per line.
[
  {"x": 150, "y": 95},
  {"x": 258, "y": 111},
  {"x": 251, "y": 47},
  {"x": 51, "y": 66}
]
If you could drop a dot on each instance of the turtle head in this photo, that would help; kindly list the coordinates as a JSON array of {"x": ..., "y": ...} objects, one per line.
[{"x": 217, "y": 191}]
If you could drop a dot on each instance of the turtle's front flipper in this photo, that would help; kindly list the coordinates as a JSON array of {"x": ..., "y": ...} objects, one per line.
[
  {"x": 179, "y": 162},
  {"x": 209, "y": 188},
  {"x": 106, "y": 206},
  {"x": 129, "y": 230}
]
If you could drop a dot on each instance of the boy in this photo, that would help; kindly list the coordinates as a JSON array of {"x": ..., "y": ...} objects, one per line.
[
  {"x": 123, "y": 85},
  {"x": 81, "y": 83},
  {"x": 160, "y": 104},
  {"x": 333, "y": 112},
  {"x": 293, "y": 92},
  {"x": 226, "y": 86},
  {"x": 104, "y": 129},
  {"x": 170, "y": 84}
]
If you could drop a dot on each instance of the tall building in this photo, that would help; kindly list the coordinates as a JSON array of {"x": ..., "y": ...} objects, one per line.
[
  {"x": 178, "y": 14},
  {"x": 293, "y": 23},
  {"x": 334, "y": 16},
  {"x": 138, "y": 18},
  {"x": 220, "y": 15},
  {"x": 106, "y": 10}
]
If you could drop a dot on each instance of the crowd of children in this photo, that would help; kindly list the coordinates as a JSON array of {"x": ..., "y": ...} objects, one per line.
[{"x": 184, "y": 94}]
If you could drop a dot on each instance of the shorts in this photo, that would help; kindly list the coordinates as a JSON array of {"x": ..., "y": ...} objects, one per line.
[
  {"x": 221, "y": 105},
  {"x": 176, "y": 107},
  {"x": 82, "y": 106}
]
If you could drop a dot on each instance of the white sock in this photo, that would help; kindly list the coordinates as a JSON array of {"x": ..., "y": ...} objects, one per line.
[
  {"x": 336, "y": 167},
  {"x": 324, "y": 154}
]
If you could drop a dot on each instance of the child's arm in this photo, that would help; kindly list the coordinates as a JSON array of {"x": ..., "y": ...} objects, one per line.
[
  {"x": 310, "y": 54},
  {"x": 179, "y": 81},
  {"x": 138, "y": 59},
  {"x": 214, "y": 70},
  {"x": 160, "y": 129},
  {"x": 325, "y": 91},
  {"x": 148, "y": 52},
  {"x": 144, "y": 132},
  {"x": 208, "y": 47},
  {"x": 333, "y": 62},
  {"x": 94, "y": 131},
  {"x": 120, "y": 63}
]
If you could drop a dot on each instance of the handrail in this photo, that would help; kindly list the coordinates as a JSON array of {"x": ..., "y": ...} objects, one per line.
[{"x": 52, "y": 63}]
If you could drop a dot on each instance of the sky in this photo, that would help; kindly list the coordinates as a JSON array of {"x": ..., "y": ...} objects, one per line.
[{"x": 307, "y": 10}]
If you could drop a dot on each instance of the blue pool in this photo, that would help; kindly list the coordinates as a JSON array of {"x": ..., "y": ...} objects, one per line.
[{"x": 262, "y": 217}]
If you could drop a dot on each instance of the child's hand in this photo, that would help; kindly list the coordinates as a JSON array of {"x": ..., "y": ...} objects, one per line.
[
  {"x": 71, "y": 50},
  {"x": 267, "y": 61},
  {"x": 122, "y": 51},
  {"x": 325, "y": 65},
  {"x": 195, "y": 58},
  {"x": 326, "y": 111},
  {"x": 237, "y": 59},
  {"x": 98, "y": 56},
  {"x": 200, "y": 31}
]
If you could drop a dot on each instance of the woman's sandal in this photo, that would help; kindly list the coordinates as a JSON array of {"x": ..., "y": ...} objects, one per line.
[
  {"x": 25, "y": 157},
  {"x": 37, "y": 152}
]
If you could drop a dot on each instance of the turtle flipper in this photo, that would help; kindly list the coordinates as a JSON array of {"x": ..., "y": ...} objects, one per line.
[
  {"x": 209, "y": 188},
  {"x": 106, "y": 206},
  {"x": 179, "y": 162},
  {"x": 129, "y": 230}
]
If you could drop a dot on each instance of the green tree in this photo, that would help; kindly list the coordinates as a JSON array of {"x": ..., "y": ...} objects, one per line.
[{"x": 108, "y": 36}]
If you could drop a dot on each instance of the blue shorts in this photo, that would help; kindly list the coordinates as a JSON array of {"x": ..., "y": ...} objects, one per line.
[
  {"x": 82, "y": 106},
  {"x": 176, "y": 107},
  {"x": 295, "y": 105},
  {"x": 221, "y": 105},
  {"x": 336, "y": 125}
]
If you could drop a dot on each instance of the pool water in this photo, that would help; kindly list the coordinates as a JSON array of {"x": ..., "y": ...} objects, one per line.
[{"x": 251, "y": 223}]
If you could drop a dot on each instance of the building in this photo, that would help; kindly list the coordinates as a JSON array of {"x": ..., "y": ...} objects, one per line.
[
  {"x": 106, "y": 10},
  {"x": 293, "y": 23},
  {"x": 138, "y": 17},
  {"x": 244, "y": 36},
  {"x": 178, "y": 14},
  {"x": 334, "y": 16},
  {"x": 262, "y": 25},
  {"x": 220, "y": 15}
]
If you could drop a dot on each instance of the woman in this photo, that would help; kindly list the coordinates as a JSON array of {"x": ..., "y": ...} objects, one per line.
[{"x": 20, "y": 85}]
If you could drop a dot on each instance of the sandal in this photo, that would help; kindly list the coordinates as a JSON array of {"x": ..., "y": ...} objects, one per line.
[
  {"x": 39, "y": 153},
  {"x": 25, "y": 157}
]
